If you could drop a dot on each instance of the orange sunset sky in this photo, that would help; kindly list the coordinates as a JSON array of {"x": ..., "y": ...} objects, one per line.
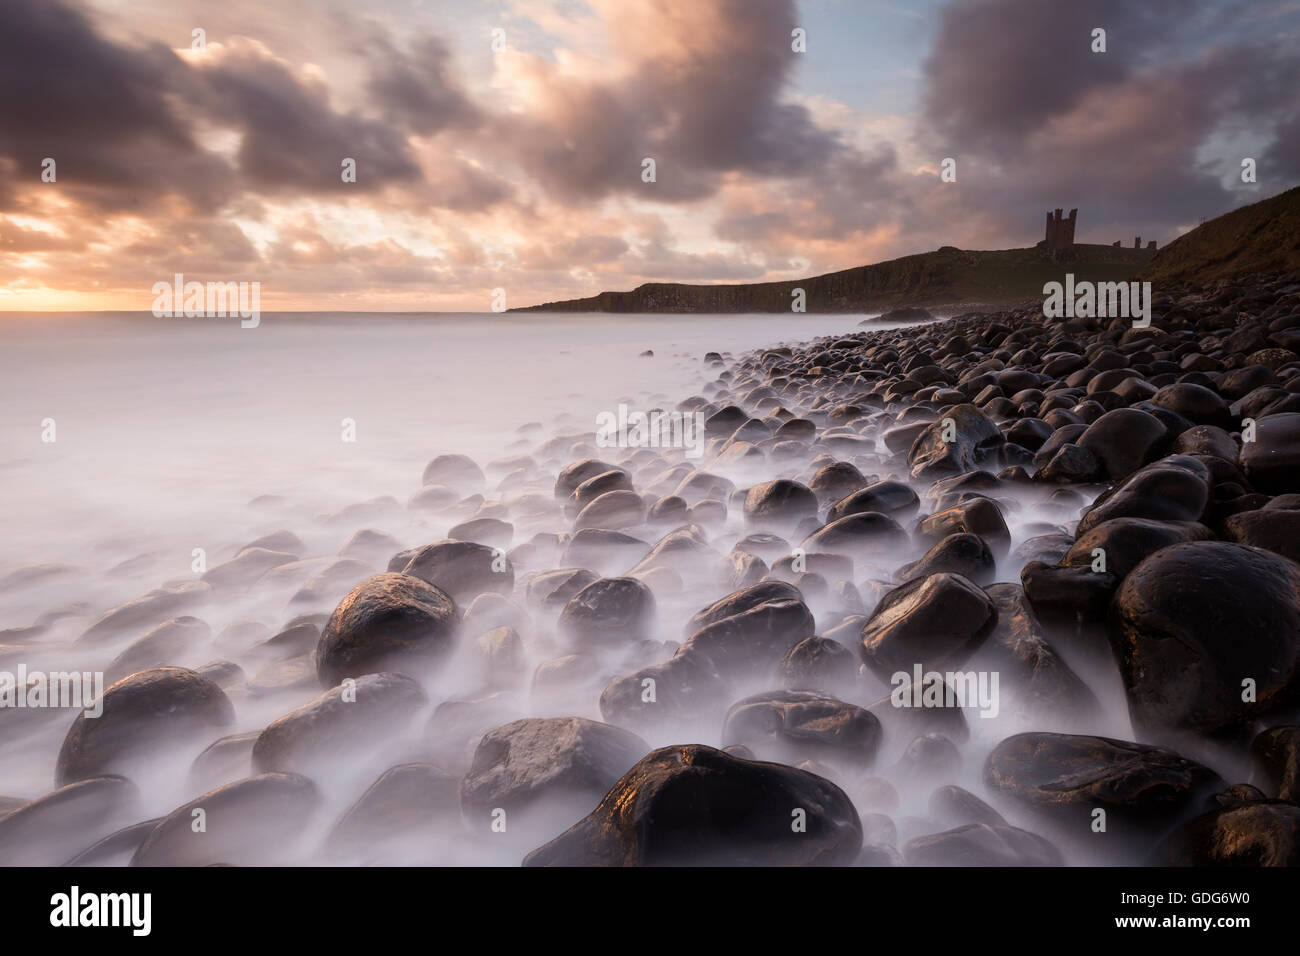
[{"x": 520, "y": 167}]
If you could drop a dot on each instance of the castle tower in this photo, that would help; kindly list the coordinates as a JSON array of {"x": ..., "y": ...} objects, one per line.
[{"x": 1060, "y": 231}]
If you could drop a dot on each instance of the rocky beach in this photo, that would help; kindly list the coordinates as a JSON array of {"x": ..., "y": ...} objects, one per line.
[{"x": 995, "y": 589}]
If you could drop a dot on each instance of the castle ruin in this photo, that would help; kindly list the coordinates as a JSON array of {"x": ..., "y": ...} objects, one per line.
[
  {"x": 1059, "y": 238},
  {"x": 1060, "y": 231}
]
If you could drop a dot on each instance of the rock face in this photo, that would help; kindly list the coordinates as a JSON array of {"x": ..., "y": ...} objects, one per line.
[
  {"x": 386, "y": 620},
  {"x": 1195, "y": 620},
  {"x": 149, "y": 711},
  {"x": 547, "y": 758},
  {"x": 696, "y": 806},
  {"x": 936, "y": 621},
  {"x": 1068, "y": 776}
]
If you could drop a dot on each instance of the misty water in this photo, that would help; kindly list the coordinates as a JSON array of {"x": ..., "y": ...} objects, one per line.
[{"x": 172, "y": 435}]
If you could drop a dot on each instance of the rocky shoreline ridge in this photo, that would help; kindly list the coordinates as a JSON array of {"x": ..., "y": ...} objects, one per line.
[{"x": 627, "y": 656}]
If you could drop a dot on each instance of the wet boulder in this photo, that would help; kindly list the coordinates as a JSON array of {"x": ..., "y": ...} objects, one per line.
[
  {"x": 1068, "y": 776},
  {"x": 979, "y": 516},
  {"x": 885, "y": 497},
  {"x": 959, "y": 553},
  {"x": 982, "y": 844},
  {"x": 756, "y": 637},
  {"x": 386, "y": 620},
  {"x": 608, "y": 611},
  {"x": 1018, "y": 649},
  {"x": 973, "y": 437},
  {"x": 455, "y": 471},
  {"x": 1272, "y": 461},
  {"x": 779, "y": 505},
  {"x": 48, "y": 830},
  {"x": 937, "y": 622},
  {"x": 463, "y": 569},
  {"x": 1192, "y": 622},
  {"x": 402, "y": 816},
  {"x": 1123, "y": 440},
  {"x": 696, "y": 806},
  {"x": 551, "y": 760},
  {"x": 257, "y": 821},
  {"x": 681, "y": 692},
  {"x": 613, "y": 510},
  {"x": 339, "y": 726},
  {"x": 1127, "y": 542},
  {"x": 1251, "y": 835},
  {"x": 788, "y": 726},
  {"x": 1275, "y": 529},
  {"x": 1276, "y": 754},
  {"x": 144, "y": 715},
  {"x": 1172, "y": 489},
  {"x": 857, "y": 535},
  {"x": 819, "y": 663}
]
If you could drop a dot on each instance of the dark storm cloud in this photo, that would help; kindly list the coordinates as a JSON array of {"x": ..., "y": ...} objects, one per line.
[
  {"x": 293, "y": 140},
  {"x": 99, "y": 110},
  {"x": 707, "y": 102},
  {"x": 1001, "y": 68},
  {"x": 1142, "y": 135},
  {"x": 416, "y": 90},
  {"x": 121, "y": 122}
]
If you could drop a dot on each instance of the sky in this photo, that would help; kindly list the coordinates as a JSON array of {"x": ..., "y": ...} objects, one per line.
[{"x": 502, "y": 145}]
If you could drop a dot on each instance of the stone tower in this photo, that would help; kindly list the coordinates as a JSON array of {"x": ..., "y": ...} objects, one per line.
[{"x": 1060, "y": 231}]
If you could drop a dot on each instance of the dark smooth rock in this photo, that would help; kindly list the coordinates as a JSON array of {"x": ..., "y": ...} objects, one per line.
[
  {"x": 1069, "y": 776},
  {"x": 1194, "y": 620},
  {"x": 937, "y": 622},
  {"x": 256, "y": 821},
  {"x": 608, "y": 611},
  {"x": 982, "y": 844},
  {"x": 1124, "y": 440},
  {"x": 1253, "y": 835},
  {"x": 779, "y": 505},
  {"x": 1272, "y": 460},
  {"x": 1276, "y": 753},
  {"x": 549, "y": 759},
  {"x": 693, "y": 805},
  {"x": 960, "y": 553},
  {"x": 787, "y": 726},
  {"x": 149, "y": 712},
  {"x": 681, "y": 691},
  {"x": 463, "y": 569},
  {"x": 338, "y": 725},
  {"x": 387, "y": 620}
]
